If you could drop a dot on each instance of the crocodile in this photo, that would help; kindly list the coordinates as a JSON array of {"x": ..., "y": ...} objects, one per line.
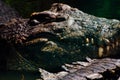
[{"x": 60, "y": 35}]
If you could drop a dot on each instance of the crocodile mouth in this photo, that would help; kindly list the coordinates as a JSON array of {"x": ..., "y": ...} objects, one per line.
[{"x": 42, "y": 37}]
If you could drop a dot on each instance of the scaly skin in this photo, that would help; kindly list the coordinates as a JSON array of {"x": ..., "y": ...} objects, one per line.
[{"x": 60, "y": 35}]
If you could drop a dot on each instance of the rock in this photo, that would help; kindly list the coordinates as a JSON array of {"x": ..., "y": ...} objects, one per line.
[{"x": 99, "y": 69}]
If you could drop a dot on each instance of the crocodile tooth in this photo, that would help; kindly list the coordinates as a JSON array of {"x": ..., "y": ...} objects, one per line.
[
  {"x": 100, "y": 51},
  {"x": 117, "y": 43},
  {"x": 87, "y": 40},
  {"x": 113, "y": 45},
  {"x": 108, "y": 49},
  {"x": 92, "y": 40}
]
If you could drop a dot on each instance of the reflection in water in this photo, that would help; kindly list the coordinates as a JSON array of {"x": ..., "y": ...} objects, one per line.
[{"x": 15, "y": 75}]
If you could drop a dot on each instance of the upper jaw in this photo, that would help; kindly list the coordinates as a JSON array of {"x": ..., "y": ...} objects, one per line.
[
  {"x": 44, "y": 31},
  {"x": 41, "y": 37}
]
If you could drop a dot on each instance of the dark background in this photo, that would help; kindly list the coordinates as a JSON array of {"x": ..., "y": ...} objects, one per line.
[{"x": 101, "y": 8}]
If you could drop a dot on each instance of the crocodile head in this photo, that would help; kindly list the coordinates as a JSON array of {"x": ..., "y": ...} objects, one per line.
[{"x": 60, "y": 35}]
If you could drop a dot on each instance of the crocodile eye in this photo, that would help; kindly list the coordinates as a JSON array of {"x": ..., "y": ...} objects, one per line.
[
  {"x": 33, "y": 22},
  {"x": 41, "y": 17}
]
